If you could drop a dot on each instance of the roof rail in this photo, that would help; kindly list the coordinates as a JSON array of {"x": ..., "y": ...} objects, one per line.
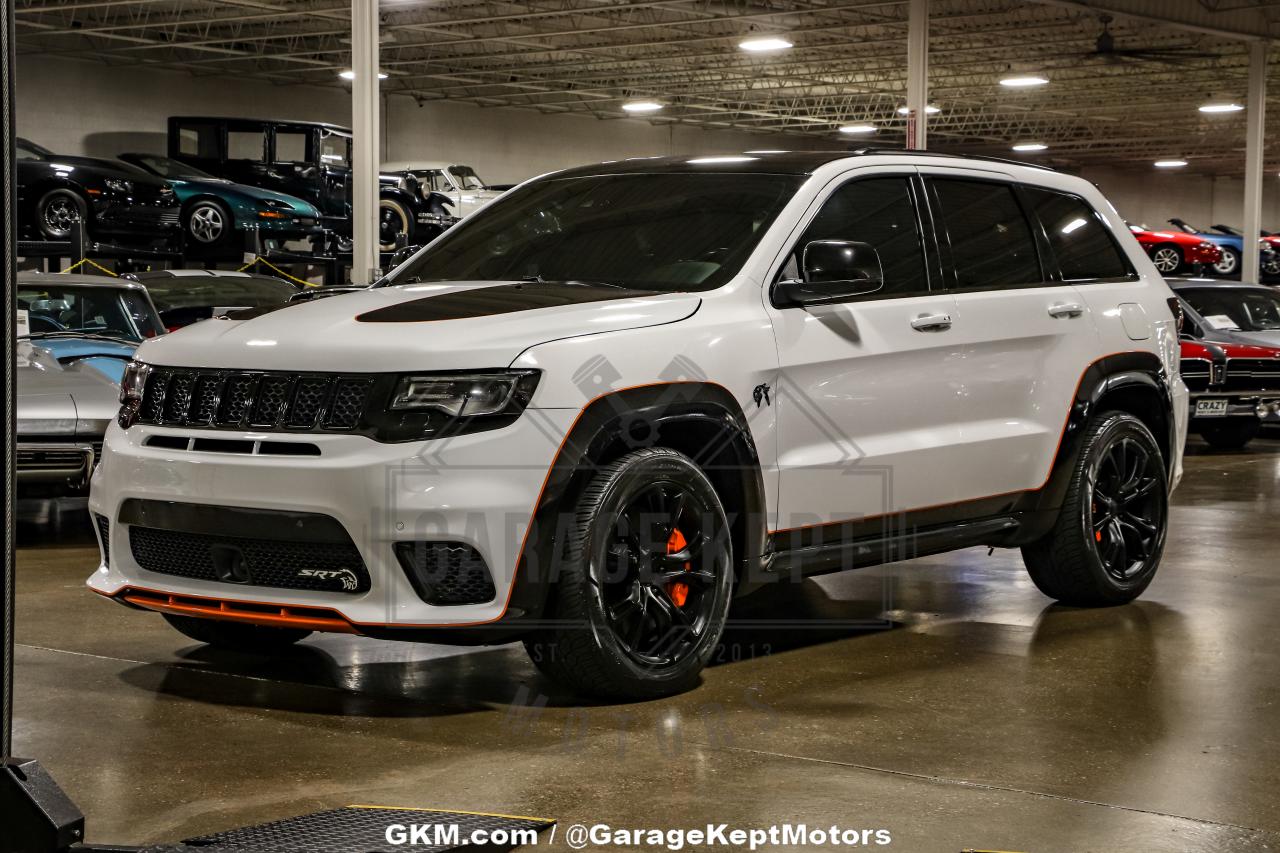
[{"x": 885, "y": 149}]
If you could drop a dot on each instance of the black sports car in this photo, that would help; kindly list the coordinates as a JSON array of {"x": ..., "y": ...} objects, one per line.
[{"x": 117, "y": 203}]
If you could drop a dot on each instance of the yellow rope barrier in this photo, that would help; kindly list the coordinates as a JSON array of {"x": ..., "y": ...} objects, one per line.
[
  {"x": 261, "y": 260},
  {"x": 91, "y": 263}
]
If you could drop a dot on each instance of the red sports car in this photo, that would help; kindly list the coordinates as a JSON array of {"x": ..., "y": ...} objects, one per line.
[
  {"x": 1175, "y": 251},
  {"x": 1234, "y": 389}
]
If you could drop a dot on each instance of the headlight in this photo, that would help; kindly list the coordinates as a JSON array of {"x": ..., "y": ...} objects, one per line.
[
  {"x": 132, "y": 387},
  {"x": 118, "y": 185},
  {"x": 459, "y": 396},
  {"x": 275, "y": 204}
]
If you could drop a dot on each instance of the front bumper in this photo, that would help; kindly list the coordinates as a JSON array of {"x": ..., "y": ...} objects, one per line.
[{"x": 478, "y": 490}]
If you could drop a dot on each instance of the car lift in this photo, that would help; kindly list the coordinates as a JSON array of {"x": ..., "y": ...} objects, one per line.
[
  {"x": 77, "y": 249},
  {"x": 35, "y": 815}
]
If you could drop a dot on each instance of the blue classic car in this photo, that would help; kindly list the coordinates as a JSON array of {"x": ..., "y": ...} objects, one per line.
[
  {"x": 214, "y": 210},
  {"x": 1231, "y": 241}
]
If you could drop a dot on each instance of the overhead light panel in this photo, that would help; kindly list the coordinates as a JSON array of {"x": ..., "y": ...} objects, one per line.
[
  {"x": 642, "y": 106},
  {"x": 351, "y": 75},
  {"x": 1024, "y": 81},
  {"x": 764, "y": 44},
  {"x": 930, "y": 110},
  {"x": 1170, "y": 164},
  {"x": 858, "y": 128},
  {"x": 1221, "y": 107},
  {"x": 1030, "y": 146}
]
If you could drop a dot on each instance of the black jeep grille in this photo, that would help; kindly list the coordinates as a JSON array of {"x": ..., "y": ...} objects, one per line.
[
  {"x": 254, "y": 399},
  {"x": 446, "y": 572},
  {"x": 322, "y": 566}
]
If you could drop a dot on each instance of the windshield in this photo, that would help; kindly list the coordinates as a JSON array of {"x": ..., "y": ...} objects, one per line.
[
  {"x": 217, "y": 292},
  {"x": 168, "y": 168},
  {"x": 1236, "y": 308},
  {"x": 665, "y": 232},
  {"x": 466, "y": 178},
  {"x": 111, "y": 311}
]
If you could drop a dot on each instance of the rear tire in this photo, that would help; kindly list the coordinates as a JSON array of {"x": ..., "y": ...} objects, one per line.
[
  {"x": 1229, "y": 265},
  {"x": 239, "y": 636},
  {"x": 1105, "y": 546},
  {"x": 1167, "y": 259},
  {"x": 1231, "y": 436},
  {"x": 641, "y": 608}
]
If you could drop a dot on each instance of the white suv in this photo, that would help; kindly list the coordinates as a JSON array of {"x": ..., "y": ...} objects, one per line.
[{"x": 593, "y": 413}]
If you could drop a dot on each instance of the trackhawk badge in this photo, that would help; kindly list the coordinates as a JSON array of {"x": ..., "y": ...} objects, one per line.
[{"x": 348, "y": 577}]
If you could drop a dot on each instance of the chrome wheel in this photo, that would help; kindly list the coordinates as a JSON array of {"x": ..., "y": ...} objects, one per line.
[
  {"x": 1166, "y": 259},
  {"x": 58, "y": 212},
  {"x": 207, "y": 223},
  {"x": 1229, "y": 262},
  {"x": 1126, "y": 508}
]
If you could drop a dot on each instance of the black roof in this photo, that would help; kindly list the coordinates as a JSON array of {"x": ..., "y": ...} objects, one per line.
[
  {"x": 337, "y": 128},
  {"x": 761, "y": 162}
]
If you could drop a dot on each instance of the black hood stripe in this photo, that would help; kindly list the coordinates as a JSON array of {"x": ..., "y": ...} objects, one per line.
[{"x": 500, "y": 299}]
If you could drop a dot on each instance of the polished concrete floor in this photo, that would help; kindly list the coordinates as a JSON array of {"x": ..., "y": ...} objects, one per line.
[{"x": 943, "y": 699}]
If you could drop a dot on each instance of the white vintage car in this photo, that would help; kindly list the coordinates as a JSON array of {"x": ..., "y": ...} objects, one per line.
[{"x": 459, "y": 183}]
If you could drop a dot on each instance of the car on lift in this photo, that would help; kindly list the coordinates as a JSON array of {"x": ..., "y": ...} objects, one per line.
[
  {"x": 76, "y": 334},
  {"x": 187, "y": 296},
  {"x": 463, "y": 187},
  {"x": 1174, "y": 252},
  {"x": 613, "y": 400},
  {"x": 310, "y": 161},
  {"x": 116, "y": 203},
  {"x": 1230, "y": 241},
  {"x": 216, "y": 212},
  {"x": 1234, "y": 389}
]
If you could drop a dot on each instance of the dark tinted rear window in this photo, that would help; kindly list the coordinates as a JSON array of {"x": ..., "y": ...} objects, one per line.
[
  {"x": 991, "y": 242},
  {"x": 1080, "y": 240}
]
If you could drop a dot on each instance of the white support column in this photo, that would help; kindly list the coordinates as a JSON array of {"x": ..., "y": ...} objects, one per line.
[
  {"x": 917, "y": 74},
  {"x": 366, "y": 160},
  {"x": 1255, "y": 140}
]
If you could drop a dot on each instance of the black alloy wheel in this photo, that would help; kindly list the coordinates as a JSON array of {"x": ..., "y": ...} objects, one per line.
[
  {"x": 57, "y": 211},
  {"x": 643, "y": 592},
  {"x": 1127, "y": 507}
]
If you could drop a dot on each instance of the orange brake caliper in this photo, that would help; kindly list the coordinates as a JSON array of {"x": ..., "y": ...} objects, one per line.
[{"x": 678, "y": 590}]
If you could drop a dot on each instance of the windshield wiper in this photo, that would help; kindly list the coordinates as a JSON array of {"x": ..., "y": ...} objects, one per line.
[{"x": 72, "y": 333}]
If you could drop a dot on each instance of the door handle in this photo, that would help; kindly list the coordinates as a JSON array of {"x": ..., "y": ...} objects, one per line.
[
  {"x": 1066, "y": 309},
  {"x": 931, "y": 323}
]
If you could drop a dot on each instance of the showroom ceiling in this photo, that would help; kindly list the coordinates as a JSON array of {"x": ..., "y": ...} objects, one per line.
[{"x": 1136, "y": 101}]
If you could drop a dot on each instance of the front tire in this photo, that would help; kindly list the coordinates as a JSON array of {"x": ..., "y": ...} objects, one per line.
[
  {"x": 644, "y": 589},
  {"x": 57, "y": 210},
  {"x": 1105, "y": 546},
  {"x": 208, "y": 224},
  {"x": 394, "y": 219},
  {"x": 1231, "y": 436},
  {"x": 239, "y": 636}
]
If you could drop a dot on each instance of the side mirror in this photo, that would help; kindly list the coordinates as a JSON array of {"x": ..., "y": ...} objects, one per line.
[
  {"x": 401, "y": 255},
  {"x": 834, "y": 271}
]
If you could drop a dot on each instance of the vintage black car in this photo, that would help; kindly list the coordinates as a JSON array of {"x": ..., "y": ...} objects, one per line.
[
  {"x": 309, "y": 160},
  {"x": 117, "y": 203}
]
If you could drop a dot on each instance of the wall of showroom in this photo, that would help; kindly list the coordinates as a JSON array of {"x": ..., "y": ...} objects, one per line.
[{"x": 80, "y": 107}]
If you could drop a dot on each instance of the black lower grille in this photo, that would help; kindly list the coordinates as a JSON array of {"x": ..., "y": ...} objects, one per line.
[
  {"x": 50, "y": 458},
  {"x": 320, "y": 566},
  {"x": 1251, "y": 374},
  {"x": 255, "y": 399},
  {"x": 104, "y": 537},
  {"x": 446, "y": 572}
]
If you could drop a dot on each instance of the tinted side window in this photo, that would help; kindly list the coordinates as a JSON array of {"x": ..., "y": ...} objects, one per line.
[
  {"x": 1080, "y": 239},
  {"x": 198, "y": 140},
  {"x": 246, "y": 145},
  {"x": 991, "y": 242},
  {"x": 291, "y": 146},
  {"x": 880, "y": 212}
]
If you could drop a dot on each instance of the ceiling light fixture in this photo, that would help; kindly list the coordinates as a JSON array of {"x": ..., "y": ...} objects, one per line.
[
  {"x": 764, "y": 44},
  {"x": 1024, "y": 81},
  {"x": 929, "y": 110},
  {"x": 642, "y": 106},
  {"x": 858, "y": 128},
  {"x": 351, "y": 75},
  {"x": 1030, "y": 146},
  {"x": 1221, "y": 107},
  {"x": 1170, "y": 164}
]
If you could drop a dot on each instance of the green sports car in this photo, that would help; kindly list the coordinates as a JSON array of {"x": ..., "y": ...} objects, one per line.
[{"x": 215, "y": 209}]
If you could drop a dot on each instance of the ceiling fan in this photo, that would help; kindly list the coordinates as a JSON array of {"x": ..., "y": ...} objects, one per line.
[{"x": 1105, "y": 50}]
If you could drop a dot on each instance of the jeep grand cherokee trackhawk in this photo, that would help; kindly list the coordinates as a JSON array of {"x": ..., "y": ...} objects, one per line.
[{"x": 597, "y": 410}]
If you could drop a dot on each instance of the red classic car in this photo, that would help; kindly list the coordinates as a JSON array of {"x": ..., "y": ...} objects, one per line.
[
  {"x": 1234, "y": 389},
  {"x": 1175, "y": 251}
]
